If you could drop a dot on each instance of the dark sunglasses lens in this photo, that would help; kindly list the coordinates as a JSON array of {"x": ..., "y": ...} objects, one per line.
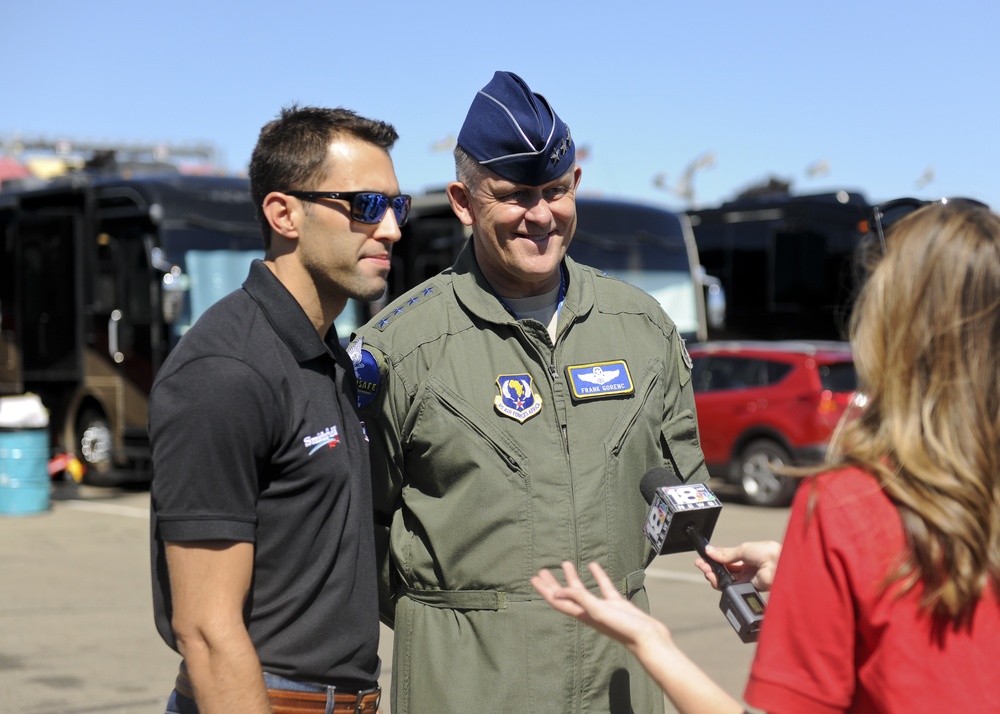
[
  {"x": 369, "y": 207},
  {"x": 886, "y": 214},
  {"x": 401, "y": 207}
]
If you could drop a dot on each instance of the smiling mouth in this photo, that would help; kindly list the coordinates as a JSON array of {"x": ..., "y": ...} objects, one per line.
[{"x": 535, "y": 238}]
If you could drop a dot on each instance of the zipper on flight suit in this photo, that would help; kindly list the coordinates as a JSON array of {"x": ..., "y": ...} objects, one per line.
[
  {"x": 549, "y": 361},
  {"x": 554, "y": 373}
]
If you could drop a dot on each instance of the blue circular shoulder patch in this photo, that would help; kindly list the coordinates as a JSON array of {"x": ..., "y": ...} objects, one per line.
[{"x": 368, "y": 378}]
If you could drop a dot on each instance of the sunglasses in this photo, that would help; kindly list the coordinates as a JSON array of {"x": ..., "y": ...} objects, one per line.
[
  {"x": 885, "y": 214},
  {"x": 366, "y": 206}
]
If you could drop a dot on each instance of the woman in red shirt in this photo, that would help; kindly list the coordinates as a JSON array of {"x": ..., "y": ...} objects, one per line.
[{"x": 897, "y": 540}]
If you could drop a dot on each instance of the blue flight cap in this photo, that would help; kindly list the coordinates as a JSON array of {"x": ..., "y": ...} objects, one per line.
[{"x": 515, "y": 133}]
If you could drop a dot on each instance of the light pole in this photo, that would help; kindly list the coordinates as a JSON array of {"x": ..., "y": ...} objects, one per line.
[{"x": 684, "y": 188}]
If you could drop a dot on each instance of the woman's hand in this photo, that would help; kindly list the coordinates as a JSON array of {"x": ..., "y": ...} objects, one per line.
[
  {"x": 613, "y": 615},
  {"x": 754, "y": 562}
]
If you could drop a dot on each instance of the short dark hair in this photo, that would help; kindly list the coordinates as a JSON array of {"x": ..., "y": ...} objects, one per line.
[{"x": 291, "y": 150}]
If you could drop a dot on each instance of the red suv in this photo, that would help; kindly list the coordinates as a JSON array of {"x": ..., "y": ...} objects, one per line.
[{"x": 763, "y": 403}]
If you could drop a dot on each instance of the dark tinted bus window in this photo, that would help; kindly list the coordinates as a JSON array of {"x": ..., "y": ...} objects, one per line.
[
  {"x": 751, "y": 252},
  {"x": 48, "y": 295},
  {"x": 800, "y": 268}
]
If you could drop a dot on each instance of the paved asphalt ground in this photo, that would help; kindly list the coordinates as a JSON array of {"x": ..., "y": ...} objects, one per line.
[{"x": 76, "y": 625}]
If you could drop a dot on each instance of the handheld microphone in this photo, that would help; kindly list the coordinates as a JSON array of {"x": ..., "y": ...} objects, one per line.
[{"x": 682, "y": 516}]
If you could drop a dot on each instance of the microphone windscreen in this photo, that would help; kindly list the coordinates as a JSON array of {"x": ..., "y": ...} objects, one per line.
[{"x": 657, "y": 477}]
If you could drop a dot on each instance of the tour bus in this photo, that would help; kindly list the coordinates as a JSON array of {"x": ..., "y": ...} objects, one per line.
[
  {"x": 102, "y": 274},
  {"x": 787, "y": 263}
]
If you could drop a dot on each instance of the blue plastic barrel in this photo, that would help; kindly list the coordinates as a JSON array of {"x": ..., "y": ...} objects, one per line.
[{"x": 24, "y": 473}]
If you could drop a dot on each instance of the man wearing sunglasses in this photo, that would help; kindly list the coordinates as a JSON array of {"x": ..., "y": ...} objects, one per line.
[
  {"x": 514, "y": 402},
  {"x": 264, "y": 575}
]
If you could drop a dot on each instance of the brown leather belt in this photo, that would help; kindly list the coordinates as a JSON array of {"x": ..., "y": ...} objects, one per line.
[{"x": 286, "y": 701}]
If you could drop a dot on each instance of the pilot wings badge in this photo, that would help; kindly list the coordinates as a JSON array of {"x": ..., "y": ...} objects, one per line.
[
  {"x": 599, "y": 375},
  {"x": 517, "y": 400}
]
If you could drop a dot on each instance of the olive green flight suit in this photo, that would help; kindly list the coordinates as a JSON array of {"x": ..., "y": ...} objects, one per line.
[{"x": 490, "y": 463}]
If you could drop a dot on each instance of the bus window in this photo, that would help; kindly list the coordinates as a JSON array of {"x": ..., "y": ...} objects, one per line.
[
  {"x": 48, "y": 295},
  {"x": 644, "y": 246}
]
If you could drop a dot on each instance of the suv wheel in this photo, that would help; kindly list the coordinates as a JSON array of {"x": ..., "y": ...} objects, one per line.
[{"x": 755, "y": 475}]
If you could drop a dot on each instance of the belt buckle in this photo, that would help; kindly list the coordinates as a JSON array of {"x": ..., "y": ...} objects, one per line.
[{"x": 359, "y": 707}]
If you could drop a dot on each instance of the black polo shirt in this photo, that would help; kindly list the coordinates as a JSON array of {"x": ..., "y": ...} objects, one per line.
[{"x": 256, "y": 438}]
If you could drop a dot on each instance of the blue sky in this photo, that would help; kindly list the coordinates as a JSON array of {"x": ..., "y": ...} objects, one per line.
[{"x": 879, "y": 91}]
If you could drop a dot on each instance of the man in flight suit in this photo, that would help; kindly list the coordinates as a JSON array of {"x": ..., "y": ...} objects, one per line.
[{"x": 514, "y": 402}]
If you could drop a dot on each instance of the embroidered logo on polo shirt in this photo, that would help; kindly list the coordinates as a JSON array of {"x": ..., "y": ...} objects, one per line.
[
  {"x": 516, "y": 399},
  {"x": 329, "y": 438},
  {"x": 600, "y": 379}
]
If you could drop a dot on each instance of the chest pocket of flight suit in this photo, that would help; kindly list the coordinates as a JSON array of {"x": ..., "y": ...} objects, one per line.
[
  {"x": 635, "y": 444},
  {"x": 458, "y": 438},
  {"x": 467, "y": 496},
  {"x": 642, "y": 420}
]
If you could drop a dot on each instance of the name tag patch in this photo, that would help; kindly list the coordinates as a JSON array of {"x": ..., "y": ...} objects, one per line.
[{"x": 600, "y": 379}]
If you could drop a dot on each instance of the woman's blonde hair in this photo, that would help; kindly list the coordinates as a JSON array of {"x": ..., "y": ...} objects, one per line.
[{"x": 926, "y": 338}]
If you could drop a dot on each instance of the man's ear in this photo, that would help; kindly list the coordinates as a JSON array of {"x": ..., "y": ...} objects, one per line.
[
  {"x": 283, "y": 214},
  {"x": 460, "y": 199}
]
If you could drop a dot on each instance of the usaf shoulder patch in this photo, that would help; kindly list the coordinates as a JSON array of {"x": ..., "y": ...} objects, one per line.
[
  {"x": 517, "y": 399},
  {"x": 600, "y": 379},
  {"x": 366, "y": 374}
]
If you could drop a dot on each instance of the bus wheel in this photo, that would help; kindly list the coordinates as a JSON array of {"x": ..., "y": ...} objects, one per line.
[
  {"x": 93, "y": 438},
  {"x": 756, "y": 477}
]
